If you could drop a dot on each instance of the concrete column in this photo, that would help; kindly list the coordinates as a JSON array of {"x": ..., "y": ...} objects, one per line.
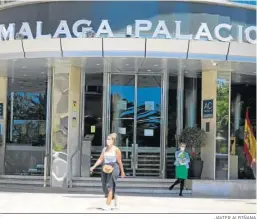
[
  {"x": 3, "y": 100},
  {"x": 65, "y": 124},
  {"x": 209, "y": 78}
]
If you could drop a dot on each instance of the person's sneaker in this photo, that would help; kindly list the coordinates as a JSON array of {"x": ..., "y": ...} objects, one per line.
[
  {"x": 171, "y": 187},
  {"x": 106, "y": 207},
  {"x": 116, "y": 206}
]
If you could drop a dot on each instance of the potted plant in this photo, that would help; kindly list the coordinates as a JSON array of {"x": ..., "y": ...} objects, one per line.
[{"x": 194, "y": 138}]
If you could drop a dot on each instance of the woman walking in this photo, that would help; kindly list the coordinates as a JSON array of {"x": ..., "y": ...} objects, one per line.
[
  {"x": 112, "y": 166},
  {"x": 181, "y": 163}
]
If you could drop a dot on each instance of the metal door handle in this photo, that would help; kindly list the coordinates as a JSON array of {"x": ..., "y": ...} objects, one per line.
[{"x": 136, "y": 156}]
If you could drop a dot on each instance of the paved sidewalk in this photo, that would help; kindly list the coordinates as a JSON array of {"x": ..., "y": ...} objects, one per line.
[{"x": 17, "y": 202}]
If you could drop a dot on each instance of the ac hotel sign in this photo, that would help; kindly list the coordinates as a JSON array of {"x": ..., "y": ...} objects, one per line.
[{"x": 221, "y": 32}]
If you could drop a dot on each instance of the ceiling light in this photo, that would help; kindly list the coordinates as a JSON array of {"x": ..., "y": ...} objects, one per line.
[
  {"x": 149, "y": 70},
  {"x": 25, "y": 75},
  {"x": 42, "y": 72},
  {"x": 156, "y": 65},
  {"x": 127, "y": 64},
  {"x": 97, "y": 64},
  {"x": 23, "y": 66}
]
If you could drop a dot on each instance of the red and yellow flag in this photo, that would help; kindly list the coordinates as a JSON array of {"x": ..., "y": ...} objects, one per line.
[{"x": 249, "y": 140}]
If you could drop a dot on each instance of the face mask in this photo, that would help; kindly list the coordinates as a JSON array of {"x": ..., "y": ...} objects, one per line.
[
  {"x": 182, "y": 149},
  {"x": 109, "y": 142}
]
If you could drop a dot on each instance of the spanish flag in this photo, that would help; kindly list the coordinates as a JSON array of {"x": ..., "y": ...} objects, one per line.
[{"x": 249, "y": 140}]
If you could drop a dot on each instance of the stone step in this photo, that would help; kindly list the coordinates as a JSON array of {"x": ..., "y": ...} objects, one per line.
[
  {"x": 93, "y": 185},
  {"x": 127, "y": 179},
  {"x": 93, "y": 190}
]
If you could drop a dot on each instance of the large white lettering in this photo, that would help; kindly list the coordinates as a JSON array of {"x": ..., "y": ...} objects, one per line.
[
  {"x": 7, "y": 34},
  {"x": 248, "y": 31},
  {"x": 217, "y": 32},
  {"x": 178, "y": 32},
  {"x": 203, "y": 32},
  {"x": 104, "y": 29},
  {"x": 240, "y": 33},
  {"x": 26, "y": 31},
  {"x": 161, "y": 29},
  {"x": 63, "y": 29},
  {"x": 142, "y": 25},
  {"x": 40, "y": 30},
  {"x": 81, "y": 28},
  {"x": 79, "y": 23}
]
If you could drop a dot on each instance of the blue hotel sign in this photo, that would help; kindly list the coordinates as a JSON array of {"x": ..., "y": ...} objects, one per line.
[{"x": 207, "y": 109}]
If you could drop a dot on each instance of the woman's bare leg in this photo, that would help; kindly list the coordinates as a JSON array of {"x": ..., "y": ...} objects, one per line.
[{"x": 109, "y": 197}]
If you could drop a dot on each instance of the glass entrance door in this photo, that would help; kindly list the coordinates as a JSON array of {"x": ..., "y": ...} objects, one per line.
[{"x": 135, "y": 115}]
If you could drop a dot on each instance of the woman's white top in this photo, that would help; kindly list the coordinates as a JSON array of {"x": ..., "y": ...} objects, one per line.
[{"x": 109, "y": 156}]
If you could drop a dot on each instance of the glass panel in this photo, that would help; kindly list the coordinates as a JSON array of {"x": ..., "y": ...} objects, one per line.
[
  {"x": 26, "y": 132},
  {"x": 222, "y": 125},
  {"x": 122, "y": 90},
  {"x": 148, "y": 126},
  {"x": 94, "y": 107},
  {"x": 148, "y": 111},
  {"x": 243, "y": 97},
  {"x": 93, "y": 114}
]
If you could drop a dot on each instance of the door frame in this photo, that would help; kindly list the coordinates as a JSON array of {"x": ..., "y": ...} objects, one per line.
[{"x": 163, "y": 117}]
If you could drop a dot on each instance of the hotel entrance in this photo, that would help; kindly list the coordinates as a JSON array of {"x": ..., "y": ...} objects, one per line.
[{"x": 135, "y": 114}]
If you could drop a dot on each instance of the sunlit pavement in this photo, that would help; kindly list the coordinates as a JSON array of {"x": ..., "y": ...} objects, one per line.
[{"x": 85, "y": 203}]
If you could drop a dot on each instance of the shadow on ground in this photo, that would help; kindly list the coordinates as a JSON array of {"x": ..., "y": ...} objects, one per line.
[{"x": 99, "y": 195}]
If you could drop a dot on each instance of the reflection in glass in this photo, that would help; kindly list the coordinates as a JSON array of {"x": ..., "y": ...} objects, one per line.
[
  {"x": 29, "y": 132},
  {"x": 122, "y": 108},
  {"x": 222, "y": 125},
  {"x": 122, "y": 90},
  {"x": 148, "y": 111},
  {"x": 148, "y": 125},
  {"x": 29, "y": 114},
  {"x": 30, "y": 106},
  {"x": 143, "y": 157},
  {"x": 26, "y": 125},
  {"x": 243, "y": 96}
]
